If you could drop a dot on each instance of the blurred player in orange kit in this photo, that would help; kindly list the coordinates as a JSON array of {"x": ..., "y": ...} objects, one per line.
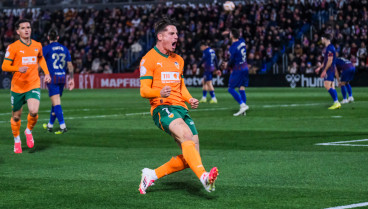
[
  {"x": 162, "y": 82},
  {"x": 22, "y": 58}
]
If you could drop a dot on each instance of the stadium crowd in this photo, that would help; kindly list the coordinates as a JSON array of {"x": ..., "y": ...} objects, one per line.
[{"x": 99, "y": 40}]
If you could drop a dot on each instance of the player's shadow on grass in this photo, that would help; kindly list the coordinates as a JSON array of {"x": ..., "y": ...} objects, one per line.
[
  {"x": 193, "y": 188},
  {"x": 38, "y": 148}
]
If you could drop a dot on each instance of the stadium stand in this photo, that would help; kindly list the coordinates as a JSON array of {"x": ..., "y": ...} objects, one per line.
[{"x": 282, "y": 36}]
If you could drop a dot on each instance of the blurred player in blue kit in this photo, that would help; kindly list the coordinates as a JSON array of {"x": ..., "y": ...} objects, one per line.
[
  {"x": 239, "y": 77},
  {"x": 58, "y": 61},
  {"x": 344, "y": 74},
  {"x": 328, "y": 69},
  {"x": 210, "y": 62}
]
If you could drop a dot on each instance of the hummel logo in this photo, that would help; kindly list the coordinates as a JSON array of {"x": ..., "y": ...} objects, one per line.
[
  {"x": 292, "y": 79},
  {"x": 159, "y": 63},
  {"x": 21, "y": 51}
]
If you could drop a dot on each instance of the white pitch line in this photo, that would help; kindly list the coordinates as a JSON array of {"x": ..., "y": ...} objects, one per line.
[
  {"x": 350, "y": 206},
  {"x": 292, "y": 105},
  {"x": 345, "y": 143},
  {"x": 116, "y": 115},
  {"x": 209, "y": 109}
]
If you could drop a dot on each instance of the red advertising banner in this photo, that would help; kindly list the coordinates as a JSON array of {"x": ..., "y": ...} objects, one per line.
[{"x": 102, "y": 81}]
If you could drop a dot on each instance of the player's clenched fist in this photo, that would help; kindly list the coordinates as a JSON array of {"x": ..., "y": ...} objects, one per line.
[
  {"x": 165, "y": 91},
  {"x": 23, "y": 69},
  {"x": 193, "y": 103}
]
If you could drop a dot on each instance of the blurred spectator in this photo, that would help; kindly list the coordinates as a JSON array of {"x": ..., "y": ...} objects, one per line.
[
  {"x": 270, "y": 29},
  {"x": 293, "y": 69},
  {"x": 309, "y": 69}
]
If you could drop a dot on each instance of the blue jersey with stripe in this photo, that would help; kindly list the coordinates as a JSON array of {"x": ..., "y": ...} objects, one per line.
[
  {"x": 57, "y": 56},
  {"x": 238, "y": 55},
  {"x": 330, "y": 52},
  {"x": 209, "y": 59},
  {"x": 343, "y": 64}
]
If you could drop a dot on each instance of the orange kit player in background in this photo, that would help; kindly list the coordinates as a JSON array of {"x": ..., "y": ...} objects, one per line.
[
  {"x": 22, "y": 58},
  {"x": 162, "y": 82}
]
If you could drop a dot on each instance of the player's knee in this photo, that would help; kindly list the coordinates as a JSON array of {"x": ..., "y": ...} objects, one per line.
[
  {"x": 230, "y": 90},
  {"x": 33, "y": 114},
  {"x": 16, "y": 118}
]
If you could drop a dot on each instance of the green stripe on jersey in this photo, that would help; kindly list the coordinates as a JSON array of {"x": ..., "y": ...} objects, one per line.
[
  {"x": 8, "y": 59},
  {"x": 146, "y": 77}
]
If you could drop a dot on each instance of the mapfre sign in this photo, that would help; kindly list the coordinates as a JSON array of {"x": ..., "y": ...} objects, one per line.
[{"x": 104, "y": 81}]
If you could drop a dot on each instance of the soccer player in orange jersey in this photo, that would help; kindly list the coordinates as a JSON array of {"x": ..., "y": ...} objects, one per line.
[
  {"x": 22, "y": 58},
  {"x": 162, "y": 82}
]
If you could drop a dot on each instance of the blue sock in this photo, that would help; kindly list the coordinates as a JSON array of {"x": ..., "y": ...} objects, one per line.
[
  {"x": 52, "y": 115},
  {"x": 243, "y": 96},
  {"x": 343, "y": 92},
  {"x": 235, "y": 95},
  {"x": 212, "y": 93},
  {"x": 59, "y": 114},
  {"x": 333, "y": 94},
  {"x": 204, "y": 93},
  {"x": 348, "y": 88}
]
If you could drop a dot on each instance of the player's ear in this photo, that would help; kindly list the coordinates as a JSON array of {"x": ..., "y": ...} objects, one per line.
[{"x": 159, "y": 36}]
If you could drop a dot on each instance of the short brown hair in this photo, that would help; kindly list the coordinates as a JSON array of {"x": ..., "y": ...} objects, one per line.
[
  {"x": 20, "y": 21},
  {"x": 163, "y": 23}
]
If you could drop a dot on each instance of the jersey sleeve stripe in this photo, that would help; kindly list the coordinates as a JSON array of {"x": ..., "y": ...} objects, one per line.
[
  {"x": 146, "y": 77},
  {"x": 8, "y": 59}
]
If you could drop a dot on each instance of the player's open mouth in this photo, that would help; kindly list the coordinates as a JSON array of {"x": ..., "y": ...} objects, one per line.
[{"x": 174, "y": 44}]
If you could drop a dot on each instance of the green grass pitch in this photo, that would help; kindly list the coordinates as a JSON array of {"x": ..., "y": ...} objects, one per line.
[{"x": 267, "y": 159}]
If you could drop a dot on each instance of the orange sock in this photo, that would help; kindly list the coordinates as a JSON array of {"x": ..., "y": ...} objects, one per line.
[
  {"x": 31, "y": 121},
  {"x": 192, "y": 157},
  {"x": 15, "y": 127},
  {"x": 175, "y": 164}
]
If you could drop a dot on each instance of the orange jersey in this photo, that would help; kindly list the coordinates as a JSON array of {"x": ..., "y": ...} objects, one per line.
[
  {"x": 20, "y": 55},
  {"x": 164, "y": 70}
]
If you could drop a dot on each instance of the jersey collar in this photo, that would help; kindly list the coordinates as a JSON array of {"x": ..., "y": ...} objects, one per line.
[
  {"x": 25, "y": 43},
  {"x": 158, "y": 51}
]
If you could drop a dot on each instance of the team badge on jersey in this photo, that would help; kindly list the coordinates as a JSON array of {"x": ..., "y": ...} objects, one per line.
[
  {"x": 171, "y": 115},
  {"x": 176, "y": 65},
  {"x": 36, "y": 50}
]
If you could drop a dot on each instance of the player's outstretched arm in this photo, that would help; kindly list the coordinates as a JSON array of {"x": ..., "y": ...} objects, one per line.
[
  {"x": 187, "y": 97},
  {"x": 71, "y": 76},
  {"x": 147, "y": 91},
  {"x": 7, "y": 67},
  {"x": 43, "y": 65}
]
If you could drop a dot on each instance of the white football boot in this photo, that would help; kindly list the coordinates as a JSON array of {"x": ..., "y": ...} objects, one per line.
[
  {"x": 148, "y": 179},
  {"x": 208, "y": 179},
  {"x": 243, "y": 108}
]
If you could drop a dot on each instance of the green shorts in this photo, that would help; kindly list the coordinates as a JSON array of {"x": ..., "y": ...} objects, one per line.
[
  {"x": 163, "y": 115},
  {"x": 19, "y": 99}
]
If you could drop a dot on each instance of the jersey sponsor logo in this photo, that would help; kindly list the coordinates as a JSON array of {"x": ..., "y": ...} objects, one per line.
[
  {"x": 36, "y": 50},
  {"x": 29, "y": 60},
  {"x": 170, "y": 77},
  {"x": 176, "y": 65}
]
